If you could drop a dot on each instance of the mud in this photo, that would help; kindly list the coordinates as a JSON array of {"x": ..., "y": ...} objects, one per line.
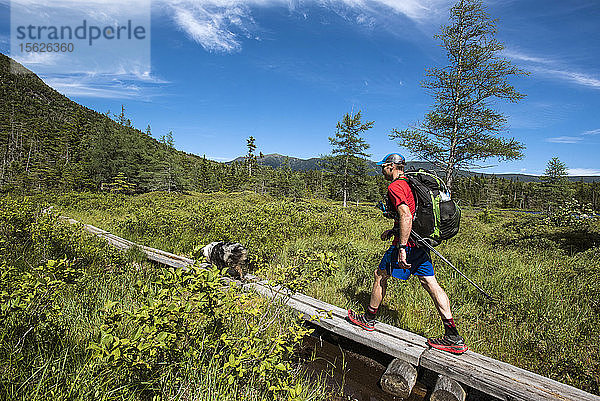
[{"x": 349, "y": 370}]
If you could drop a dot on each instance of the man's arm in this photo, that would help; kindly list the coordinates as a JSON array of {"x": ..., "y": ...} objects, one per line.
[{"x": 405, "y": 222}]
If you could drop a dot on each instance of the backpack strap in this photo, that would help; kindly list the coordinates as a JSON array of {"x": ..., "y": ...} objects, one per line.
[{"x": 403, "y": 178}]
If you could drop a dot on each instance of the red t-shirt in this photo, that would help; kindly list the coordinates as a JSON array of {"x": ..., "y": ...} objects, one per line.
[{"x": 399, "y": 193}]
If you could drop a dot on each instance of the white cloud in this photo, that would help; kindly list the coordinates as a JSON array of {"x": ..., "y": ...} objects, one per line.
[
  {"x": 516, "y": 55},
  {"x": 572, "y": 76},
  {"x": 554, "y": 69},
  {"x": 592, "y": 132},
  {"x": 417, "y": 10},
  {"x": 35, "y": 59},
  {"x": 573, "y": 139},
  {"x": 211, "y": 28},
  {"x": 583, "y": 171},
  {"x": 88, "y": 7},
  {"x": 104, "y": 86},
  {"x": 565, "y": 139},
  {"x": 220, "y": 25}
]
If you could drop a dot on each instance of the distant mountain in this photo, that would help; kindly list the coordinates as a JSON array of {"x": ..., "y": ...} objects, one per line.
[{"x": 276, "y": 160}]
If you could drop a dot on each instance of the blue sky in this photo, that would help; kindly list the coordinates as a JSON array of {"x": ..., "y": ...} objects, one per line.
[{"x": 285, "y": 71}]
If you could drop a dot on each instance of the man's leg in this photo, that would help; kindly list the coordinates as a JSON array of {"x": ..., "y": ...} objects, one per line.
[
  {"x": 451, "y": 341},
  {"x": 367, "y": 319},
  {"x": 378, "y": 292},
  {"x": 438, "y": 295}
]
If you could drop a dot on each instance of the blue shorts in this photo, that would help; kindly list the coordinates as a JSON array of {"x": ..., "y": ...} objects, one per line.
[{"x": 418, "y": 258}]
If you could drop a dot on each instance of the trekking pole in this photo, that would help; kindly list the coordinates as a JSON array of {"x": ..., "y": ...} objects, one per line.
[{"x": 422, "y": 241}]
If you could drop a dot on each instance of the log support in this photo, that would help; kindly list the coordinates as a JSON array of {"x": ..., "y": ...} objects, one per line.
[
  {"x": 447, "y": 389},
  {"x": 399, "y": 379}
]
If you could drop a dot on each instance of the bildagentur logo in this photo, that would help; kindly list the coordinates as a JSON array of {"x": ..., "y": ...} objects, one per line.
[
  {"x": 81, "y": 37},
  {"x": 85, "y": 31}
]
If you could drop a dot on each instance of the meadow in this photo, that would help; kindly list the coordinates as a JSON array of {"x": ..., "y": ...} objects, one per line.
[{"x": 544, "y": 276}]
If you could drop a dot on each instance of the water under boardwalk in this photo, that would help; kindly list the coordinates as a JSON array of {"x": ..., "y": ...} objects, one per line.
[{"x": 350, "y": 371}]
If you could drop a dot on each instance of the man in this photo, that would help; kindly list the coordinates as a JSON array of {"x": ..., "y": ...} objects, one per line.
[{"x": 405, "y": 258}]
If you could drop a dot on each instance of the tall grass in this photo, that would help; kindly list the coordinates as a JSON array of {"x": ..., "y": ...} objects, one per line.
[{"x": 45, "y": 339}]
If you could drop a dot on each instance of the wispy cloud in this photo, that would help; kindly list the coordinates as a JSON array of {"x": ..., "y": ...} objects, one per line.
[
  {"x": 583, "y": 171},
  {"x": 221, "y": 25},
  {"x": 515, "y": 55},
  {"x": 575, "y": 138},
  {"x": 105, "y": 70},
  {"x": 565, "y": 139},
  {"x": 215, "y": 28},
  {"x": 34, "y": 59},
  {"x": 571, "y": 76},
  {"x": 591, "y": 132},
  {"x": 106, "y": 86},
  {"x": 553, "y": 68}
]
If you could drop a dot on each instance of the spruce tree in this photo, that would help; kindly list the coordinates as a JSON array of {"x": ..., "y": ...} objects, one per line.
[
  {"x": 555, "y": 184},
  {"x": 348, "y": 160},
  {"x": 462, "y": 128}
]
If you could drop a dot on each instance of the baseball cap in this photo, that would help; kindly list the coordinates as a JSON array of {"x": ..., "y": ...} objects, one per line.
[{"x": 396, "y": 158}]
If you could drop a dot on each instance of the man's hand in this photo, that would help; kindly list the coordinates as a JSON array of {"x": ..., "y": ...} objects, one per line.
[
  {"x": 387, "y": 234},
  {"x": 402, "y": 259}
]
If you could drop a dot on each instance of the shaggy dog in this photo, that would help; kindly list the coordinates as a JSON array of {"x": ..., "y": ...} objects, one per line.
[{"x": 227, "y": 254}]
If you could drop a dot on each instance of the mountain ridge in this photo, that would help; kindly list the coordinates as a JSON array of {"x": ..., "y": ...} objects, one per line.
[{"x": 277, "y": 160}]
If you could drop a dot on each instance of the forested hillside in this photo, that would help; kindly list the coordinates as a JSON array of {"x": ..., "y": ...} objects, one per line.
[{"x": 50, "y": 142}]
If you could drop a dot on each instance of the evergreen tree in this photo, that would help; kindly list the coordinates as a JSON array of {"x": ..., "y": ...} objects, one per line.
[
  {"x": 250, "y": 156},
  {"x": 120, "y": 184},
  {"x": 555, "y": 185},
  {"x": 348, "y": 160},
  {"x": 462, "y": 128},
  {"x": 167, "y": 178}
]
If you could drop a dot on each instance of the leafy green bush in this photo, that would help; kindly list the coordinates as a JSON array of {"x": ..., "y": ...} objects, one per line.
[{"x": 572, "y": 213}]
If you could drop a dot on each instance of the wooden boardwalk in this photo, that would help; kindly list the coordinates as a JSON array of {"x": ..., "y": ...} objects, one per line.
[{"x": 496, "y": 379}]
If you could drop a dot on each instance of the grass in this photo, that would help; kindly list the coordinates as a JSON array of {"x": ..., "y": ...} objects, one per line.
[
  {"x": 546, "y": 278},
  {"x": 45, "y": 341}
]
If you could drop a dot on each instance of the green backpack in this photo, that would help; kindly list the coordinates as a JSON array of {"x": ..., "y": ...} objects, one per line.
[{"x": 437, "y": 216}]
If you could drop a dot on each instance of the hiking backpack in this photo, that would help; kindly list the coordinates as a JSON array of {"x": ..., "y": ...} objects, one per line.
[{"x": 437, "y": 216}]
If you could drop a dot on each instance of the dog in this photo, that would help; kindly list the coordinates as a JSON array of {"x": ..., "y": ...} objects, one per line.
[{"x": 227, "y": 254}]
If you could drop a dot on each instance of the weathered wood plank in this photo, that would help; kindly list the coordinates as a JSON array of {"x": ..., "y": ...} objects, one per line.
[
  {"x": 501, "y": 381},
  {"x": 382, "y": 327},
  {"x": 380, "y": 341}
]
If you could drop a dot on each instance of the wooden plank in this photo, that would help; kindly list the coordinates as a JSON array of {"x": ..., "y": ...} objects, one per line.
[
  {"x": 499, "y": 380},
  {"x": 337, "y": 324},
  {"x": 153, "y": 254},
  {"x": 392, "y": 331}
]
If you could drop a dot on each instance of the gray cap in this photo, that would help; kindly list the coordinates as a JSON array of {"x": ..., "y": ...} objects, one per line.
[{"x": 395, "y": 158}]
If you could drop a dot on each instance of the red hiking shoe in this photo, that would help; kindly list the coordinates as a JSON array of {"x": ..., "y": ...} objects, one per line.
[
  {"x": 361, "y": 320},
  {"x": 453, "y": 344}
]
